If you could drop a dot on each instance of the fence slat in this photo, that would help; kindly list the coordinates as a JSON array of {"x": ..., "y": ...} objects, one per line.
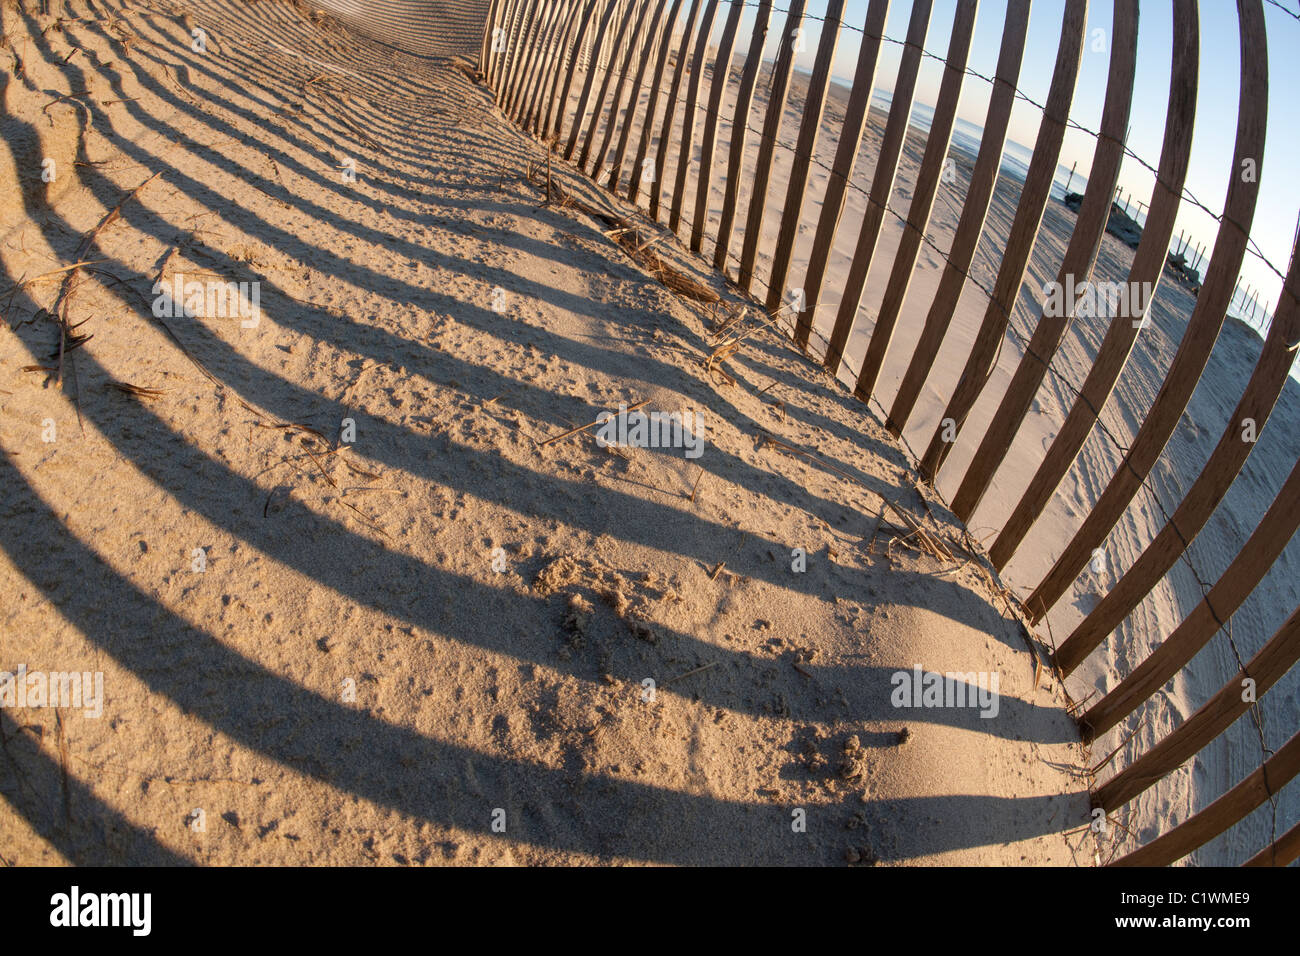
[
  {"x": 635, "y": 39},
  {"x": 518, "y": 29},
  {"x": 666, "y": 127},
  {"x": 589, "y": 81},
  {"x": 532, "y": 115},
  {"x": 1202, "y": 329},
  {"x": 1148, "y": 267},
  {"x": 970, "y": 225},
  {"x": 1020, "y": 243},
  {"x": 688, "y": 117},
  {"x": 923, "y": 194},
  {"x": 856, "y": 112},
  {"x": 1257, "y": 402},
  {"x": 639, "y": 169},
  {"x": 1268, "y": 666},
  {"x": 1283, "y": 851},
  {"x": 528, "y": 64},
  {"x": 1209, "y": 616},
  {"x": 559, "y": 104},
  {"x": 721, "y": 77},
  {"x": 805, "y": 146},
  {"x": 510, "y": 15},
  {"x": 652, "y": 34},
  {"x": 778, "y": 90},
  {"x": 553, "y": 40},
  {"x": 1230, "y": 808},
  {"x": 1080, "y": 257},
  {"x": 621, "y": 47},
  {"x": 485, "y": 49},
  {"x": 882, "y": 184}
]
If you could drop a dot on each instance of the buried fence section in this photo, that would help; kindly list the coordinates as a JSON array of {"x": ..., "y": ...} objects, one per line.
[{"x": 731, "y": 96}]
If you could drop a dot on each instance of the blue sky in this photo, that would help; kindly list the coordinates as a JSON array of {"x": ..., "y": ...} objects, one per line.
[{"x": 1216, "y": 117}]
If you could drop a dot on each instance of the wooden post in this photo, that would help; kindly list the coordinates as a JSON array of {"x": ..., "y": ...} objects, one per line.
[
  {"x": 740, "y": 134},
  {"x": 1070, "y": 179},
  {"x": 1202, "y": 329},
  {"x": 656, "y": 85},
  {"x": 485, "y": 48},
  {"x": 856, "y": 114},
  {"x": 805, "y": 147},
  {"x": 882, "y": 184},
  {"x": 557, "y": 50},
  {"x": 721, "y": 76},
  {"x": 558, "y": 102},
  {"x": 1266, "y": 668},
  {"x": 666, "y": 128},
  {"x": 653, "y": 30},
  {"x": 544, "y": 13},
  {"x": 1147, "y": 268},
  {"x": 593, "y": 67},
  {"x": 688, "y": 118},
  {"x": 1076, "y": 268},
  {"x": 1024, "y": 232},
  {"x": 517, "y": 30},
  {"x": 778, "y": 90},
  {"x": 1206, "y": 619},
  {"x": 623, "y": 47},
  {"x": 974, "y": 212},
  {"x": 918, "y": 210},
  {"x": 1230, "y": 808}
]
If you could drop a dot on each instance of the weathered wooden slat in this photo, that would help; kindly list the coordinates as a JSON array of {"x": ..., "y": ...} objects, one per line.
[
  {"x": 1256, "y": 404},
  {"x": 882, "y": 185},
  {"x": 688, "y": 117},
  {"x": 856, "y": 112},
  {"x": 1209, "y": 616},
  {"x": 670, "y": 109},
  {"x": 1283, "y": 851},
  {"x": 1020, "y": 243},
  {"x": 1202, "y": 329},
  {"x": 778, "y": 90},
  {"x": 918, "y": 210},
  {"x": 721, "y": 76},
  {"x": 639, "y": 165},
  {"x": 619, "y": 59},
  {"x": 557, "y": 102},
  {"x": 740, "y": 134},
  {"x": 556, "y": 45},
  {"x": 974, "y": 213},
  {"x": 1147, "y": 269},
  {"x": 546, "y": 13},
  {"x": 518, "y": 29},
  {"x": 805, "y": 146},
  {"x": 509, "y": 15},
  {"x": 522, "y": 108},
  {"x": 485, "y": 49},
  {"x": 1076, "y": 267},
  {"x": 1268, "y": 666},
  {"x": 1230, "y": 808},
  {"x": 593, "y": 67},
  {"x": 652, "y": 36},
  {"x": 620, "y": 114}
]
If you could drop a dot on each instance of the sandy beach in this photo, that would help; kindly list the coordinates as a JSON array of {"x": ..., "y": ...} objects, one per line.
[{"x": 351, "y": 602}]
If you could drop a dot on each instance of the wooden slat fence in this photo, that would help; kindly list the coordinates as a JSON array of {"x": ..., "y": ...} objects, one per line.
[{"x": 589, "y": 76}]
